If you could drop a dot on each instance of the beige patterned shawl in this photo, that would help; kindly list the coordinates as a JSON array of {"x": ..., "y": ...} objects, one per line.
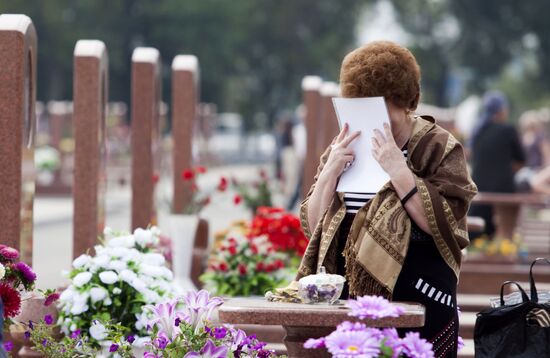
[{"x": 380, "y": 233}]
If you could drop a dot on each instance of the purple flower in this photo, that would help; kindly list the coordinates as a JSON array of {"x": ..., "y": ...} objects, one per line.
[
  {"x": 131, "y": 339},
  {"x": 219, "y": 333},
  {"x": 313, "y": 343},
  {"x": 150, "y": 355},
  {"x": 31, "y": 325},
  {"x": 48, "y": 319},
  {"x": 161, "y": 341},
  {"x": 44, "y": 342},
  {"x": 164, "y": 316},
  {"x": 9, "y": 253},
  {"x": 416, "y": 347},
  {"x": 75, "y": 334},
  {"x": 113, "y": 347},
  {"x": 351, "y": 326},
  {"x": 8, "y": 346},
  {"x": 209, "y": 351},
  {"x": 26, "y": 271},
  {"x": 391, "y": 339},
  {"x": 199, "y": 307},
  {"x": 460, "y": 343},
  {"x": 373, "y": 307},
  {"x": 352, "y": 343},
  {"x": 27, "y": 334}
]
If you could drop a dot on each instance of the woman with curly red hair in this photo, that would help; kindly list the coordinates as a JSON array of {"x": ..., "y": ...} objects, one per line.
[{"x": 403, "y": 242}]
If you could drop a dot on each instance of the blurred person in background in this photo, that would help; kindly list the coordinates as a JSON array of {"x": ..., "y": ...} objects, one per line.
[
  {"x": 283, "y": 142},
  {"x": 496, "y": 154},
  {"x": 535, "y": 176}
]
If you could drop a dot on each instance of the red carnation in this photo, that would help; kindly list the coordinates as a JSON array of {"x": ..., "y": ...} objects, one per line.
[
  {"x": 232, "y": 250},
  {"x": 223, "y": 267},
  {"x": 11, "y": 300},
  {"x": 242, "y": 269},
  {"x": 9, "y": 253},
  {"x": 237, "y": 199},
  {"x": 279, "y": 264},
  {"x": 200, "y": 170},
  {"x": 222, "y": 186},
  {"x": 187, "y": 174},
  {"x": 260, "y": 266}
]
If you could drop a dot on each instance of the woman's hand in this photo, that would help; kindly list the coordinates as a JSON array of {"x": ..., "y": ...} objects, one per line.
[
  {"x": 340, "y": 155},
  {"x": 387, "y": 154}
]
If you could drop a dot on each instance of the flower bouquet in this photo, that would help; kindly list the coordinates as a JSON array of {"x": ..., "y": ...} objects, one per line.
[
  {"x": 46, "y": 161},
  {"x": 243, "y": 265},
  {"x": 356, "y": 339},
  {"x": 255, "y": 194},
  {"x": 125, "y": 274},
  {"x": 16, "y": 279},
  {"x": 283, "y": 230}
]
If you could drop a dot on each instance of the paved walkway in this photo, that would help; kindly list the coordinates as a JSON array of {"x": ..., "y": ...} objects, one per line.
[{"x": 53, "y": 219}]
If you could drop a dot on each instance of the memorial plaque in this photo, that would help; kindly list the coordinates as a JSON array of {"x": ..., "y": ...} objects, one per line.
[
  {"x": 185, "y": 79},
  {"x": 90, "y": 105},
  {"x": 146, "y": 94},
  {"x": 312, "y": 103},
  {"x": 18, "y": 46}
]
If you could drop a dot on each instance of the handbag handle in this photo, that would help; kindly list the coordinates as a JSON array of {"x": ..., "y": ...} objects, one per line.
[
  {"x": 534, "y": 294},
  {"x": 524, "y": 297}
]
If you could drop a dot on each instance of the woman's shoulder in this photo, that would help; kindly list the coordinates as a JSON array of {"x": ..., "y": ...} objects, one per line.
[{"x": 432, "y": 133}]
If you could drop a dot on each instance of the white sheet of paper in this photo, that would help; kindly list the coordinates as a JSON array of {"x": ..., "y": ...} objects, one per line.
[{"x": 362, "y": 114}]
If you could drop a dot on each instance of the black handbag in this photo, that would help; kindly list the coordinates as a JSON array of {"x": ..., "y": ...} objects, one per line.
[{"x": 518, "y": 330}]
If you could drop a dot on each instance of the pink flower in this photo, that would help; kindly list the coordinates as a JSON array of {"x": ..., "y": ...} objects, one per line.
[
  {"x": 51, "y": 298},
  {"x": 9, "y": 253},
  {"x": 373, "y": 307},
  {"x": 164, "y": 316},
  {"x": 460, "y": 343},
  {"x": 416, "y": 347},
  {"x": 352, "y": 343},
  {"x": 313, "y": 343}
]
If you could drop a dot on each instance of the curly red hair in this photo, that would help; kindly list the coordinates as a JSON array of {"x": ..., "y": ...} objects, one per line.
[{"x": 382, "y": 68}]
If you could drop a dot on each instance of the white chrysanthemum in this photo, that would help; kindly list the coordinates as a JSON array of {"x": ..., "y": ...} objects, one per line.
[
  {"x": 139, "y": 285},
  {"x": 107, "y": 301},
  {"x": 151, "y": 296},
  {"x": 128, "y": 276},
  {"x": 108, "y": 233},
  {"x": 101, "y": 261},
  {"x": 108, "y": 277},
  {"x": 98, "y": 331},
  {"x": 117, "y": 291},
  {"x": 143, "y": 237},
  {"x": 141, "y": 320},
  {"x": 118, "y": 252},
  {"x": 117, "y": 265},
  {"x": 2, "y": 271},
  {"x": 153, "y": 258},
  {"x": 151, "y": 271},
  {"x": 81, "y": 260},
  {"x": 98, "y": 294},
  {"x": 82, "y": 278},
  {"x": 121, "y": 241},
  {"x": 79, "y": 308}
]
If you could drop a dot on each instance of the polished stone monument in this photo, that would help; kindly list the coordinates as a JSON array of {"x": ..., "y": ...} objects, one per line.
[
  {"x": 185, "y": 86},
  {"x": 90, "y": 105},
  {"x": 18, "y": 48},
  {"x": 146, "y": 98}
]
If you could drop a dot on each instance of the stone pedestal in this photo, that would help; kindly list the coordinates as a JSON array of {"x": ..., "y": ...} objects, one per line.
[
  {"x": 146, "y": 94},
  {"x": 312, "y": 102},
  {"x": 185, "y": 77},
  {"x": 18, "y": 48},
  {"x": 90, "y": 105},
  {"x": 303, "y": 321}
]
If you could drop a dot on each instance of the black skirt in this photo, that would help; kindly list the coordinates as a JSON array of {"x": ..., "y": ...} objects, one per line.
[{"x": 425, "y": 279}]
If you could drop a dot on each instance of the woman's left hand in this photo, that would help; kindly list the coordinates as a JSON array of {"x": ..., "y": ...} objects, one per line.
[{"x": 387, "y": 153}]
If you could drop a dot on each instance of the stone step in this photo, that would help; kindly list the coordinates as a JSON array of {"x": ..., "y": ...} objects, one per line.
[
  {"x": 473, "y": 302},
  {"x": 279, "y": 348},
  {"x": 467, "y": 324},
  {"x": 468, "y": 351}
]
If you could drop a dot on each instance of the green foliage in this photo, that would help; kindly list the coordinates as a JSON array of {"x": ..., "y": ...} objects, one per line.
[{"x": 252, "y": 53}]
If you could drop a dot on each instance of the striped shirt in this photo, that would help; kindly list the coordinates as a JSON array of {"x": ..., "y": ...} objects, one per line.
[{"x": 355, "y": 201}]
